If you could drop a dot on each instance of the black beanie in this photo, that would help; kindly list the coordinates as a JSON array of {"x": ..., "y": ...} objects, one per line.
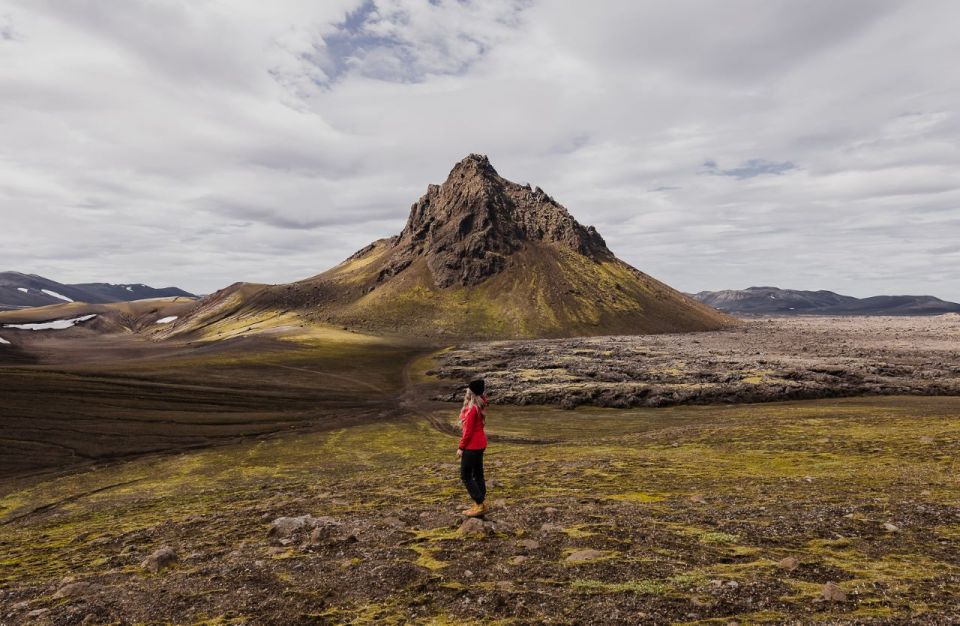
[{"x": 476, "y": 386}]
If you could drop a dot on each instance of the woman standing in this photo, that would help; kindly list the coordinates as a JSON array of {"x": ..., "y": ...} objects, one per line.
[{"x": 472, "y": 444}]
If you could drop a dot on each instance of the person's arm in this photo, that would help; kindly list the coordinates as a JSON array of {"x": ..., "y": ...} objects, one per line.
[{"x": 469, "y": 427}]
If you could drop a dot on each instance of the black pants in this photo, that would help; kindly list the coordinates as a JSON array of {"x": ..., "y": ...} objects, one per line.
[{"x": 471, "y": 473}]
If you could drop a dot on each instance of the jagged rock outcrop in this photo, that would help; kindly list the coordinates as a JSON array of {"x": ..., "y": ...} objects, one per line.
[{"x": 467, "y": 226}]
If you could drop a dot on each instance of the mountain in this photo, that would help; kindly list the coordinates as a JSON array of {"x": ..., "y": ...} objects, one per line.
[
  {"x": 772, "y": 300},
  {"x": 18, "y": 291},
  {"x": 480, "y": 256}
]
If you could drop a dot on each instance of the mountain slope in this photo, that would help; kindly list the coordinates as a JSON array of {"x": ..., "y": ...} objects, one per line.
[
  {"x": 770, "y": 300},
  {"x": 480, "y": 256},
  {"x": 19, "y": 291}
]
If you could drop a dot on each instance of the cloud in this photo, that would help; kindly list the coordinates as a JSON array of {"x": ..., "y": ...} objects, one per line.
[
  {"x": 749, "y": 168},
  {"x": 200, "y": 143}
]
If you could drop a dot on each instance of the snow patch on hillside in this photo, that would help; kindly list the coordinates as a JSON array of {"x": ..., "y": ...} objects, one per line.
[
  {"x": 54, "y": 325},
  {"x": 56, "y": 295}
]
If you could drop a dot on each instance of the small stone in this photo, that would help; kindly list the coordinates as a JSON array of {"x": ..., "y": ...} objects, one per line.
[
  {"x": 37, "y": 612},
  {"x": 467, "y": 573},
  {"x": 697, "y": 499},
  {"x": 926, "y": 492},
  {"x": 550, "y": 510},
  {"x": 518, "y": 560},
  {"x": 790, "y": 563},
  {"x": 831, "y": 592},
  {"x": 580, "y": 556},
  {"x": 530, "y": 544},
  {"x": 891, "y": 528},
  {"x": 547, "y": 527},
  {"x": 159, "y": 560}
]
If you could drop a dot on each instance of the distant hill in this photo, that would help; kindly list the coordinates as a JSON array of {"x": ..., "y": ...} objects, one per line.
[
  {"x": 773, "y": 300},
  {"x": 18, "y": 291},
  {"x": 480, "y": 257}
]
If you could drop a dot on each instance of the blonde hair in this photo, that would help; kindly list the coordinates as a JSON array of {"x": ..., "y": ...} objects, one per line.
[{"x": 471, "y": 400}]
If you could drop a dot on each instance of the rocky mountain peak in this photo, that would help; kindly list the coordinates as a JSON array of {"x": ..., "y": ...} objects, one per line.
[{"x": 468, "y": 226}]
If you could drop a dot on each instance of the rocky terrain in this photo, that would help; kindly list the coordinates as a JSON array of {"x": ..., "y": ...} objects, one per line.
[
  {"x": 760, "y": 360},
  {"x": 836, "y": 512},
  {"x": 776, "y": 301}
]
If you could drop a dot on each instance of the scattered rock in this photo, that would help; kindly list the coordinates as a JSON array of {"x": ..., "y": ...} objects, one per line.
[
  {"x": 395, "y": 522},
  {"x": 831, "y": 592},
  {"x": 548, "y": 527},
  {"x": 580, "y": 556},
  {"x": 474, "y": 526},
  {"x": 160, "y": 559},
  {"x": 697, "y": 499},
  {"x": 518, "y": 560},
  {"x": 287, "y": 526},
  {"x": 891, "y": 528},
  {"x": 74, "y": 590},
  {"x": 790, "y": 563},
  {"x": 38, "y": 612},
  {"x": 529, "y": 544}
]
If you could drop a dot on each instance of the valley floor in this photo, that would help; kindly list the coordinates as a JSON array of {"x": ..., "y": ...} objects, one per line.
[
  {"x": 304, "y": 476},
  {"x": 694, "y": 515}
]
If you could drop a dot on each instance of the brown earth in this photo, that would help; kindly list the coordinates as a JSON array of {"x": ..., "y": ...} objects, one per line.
[
  {"x": 185, "y": 458},
  {"x": 83, "y": 397},
  {"x": 760, "y": 360},
  {"x": 839, "y": 512}
]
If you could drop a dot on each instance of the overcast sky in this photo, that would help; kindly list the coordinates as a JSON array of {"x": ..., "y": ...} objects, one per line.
[{"x": 810, "y": 144}]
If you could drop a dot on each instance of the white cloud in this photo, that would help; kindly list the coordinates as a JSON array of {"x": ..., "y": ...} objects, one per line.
[{"x": 199, "y": 143}]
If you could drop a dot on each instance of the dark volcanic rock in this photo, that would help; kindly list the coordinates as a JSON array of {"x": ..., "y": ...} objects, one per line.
[{"x": 469, "y": 224}]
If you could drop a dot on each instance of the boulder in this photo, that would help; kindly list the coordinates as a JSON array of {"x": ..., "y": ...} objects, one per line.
[
  {"x": 790, "y": 563},
  {"x": 473, "y": 526},
  {"x": 74, "y": 590},
  {"x": 831, "y": 592},
  {"x": 581, "y": 556},
  {"x": 159, "y": 560},
  {"x": 288, "y": 526}
]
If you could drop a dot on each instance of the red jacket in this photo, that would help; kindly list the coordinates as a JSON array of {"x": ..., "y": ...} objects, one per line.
[{"x": 471, "y": 420}]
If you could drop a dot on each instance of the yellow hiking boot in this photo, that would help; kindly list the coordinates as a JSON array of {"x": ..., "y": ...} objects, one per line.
[{"x": 475, "y": 511}]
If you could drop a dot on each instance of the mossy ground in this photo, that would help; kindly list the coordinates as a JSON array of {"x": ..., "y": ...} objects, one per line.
[{"x": 691, "y": 509}]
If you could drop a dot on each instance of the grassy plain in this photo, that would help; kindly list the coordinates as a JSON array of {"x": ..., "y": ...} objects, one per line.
[{"x": 689, "y": 509}]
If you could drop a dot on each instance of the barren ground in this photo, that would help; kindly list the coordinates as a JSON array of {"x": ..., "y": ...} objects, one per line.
[
  {"x": 762, "y": 360},
  {"x": 839, "y": 511}
]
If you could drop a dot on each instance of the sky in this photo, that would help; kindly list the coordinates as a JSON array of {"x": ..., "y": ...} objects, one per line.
[{"x": 807, "y": 144}]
